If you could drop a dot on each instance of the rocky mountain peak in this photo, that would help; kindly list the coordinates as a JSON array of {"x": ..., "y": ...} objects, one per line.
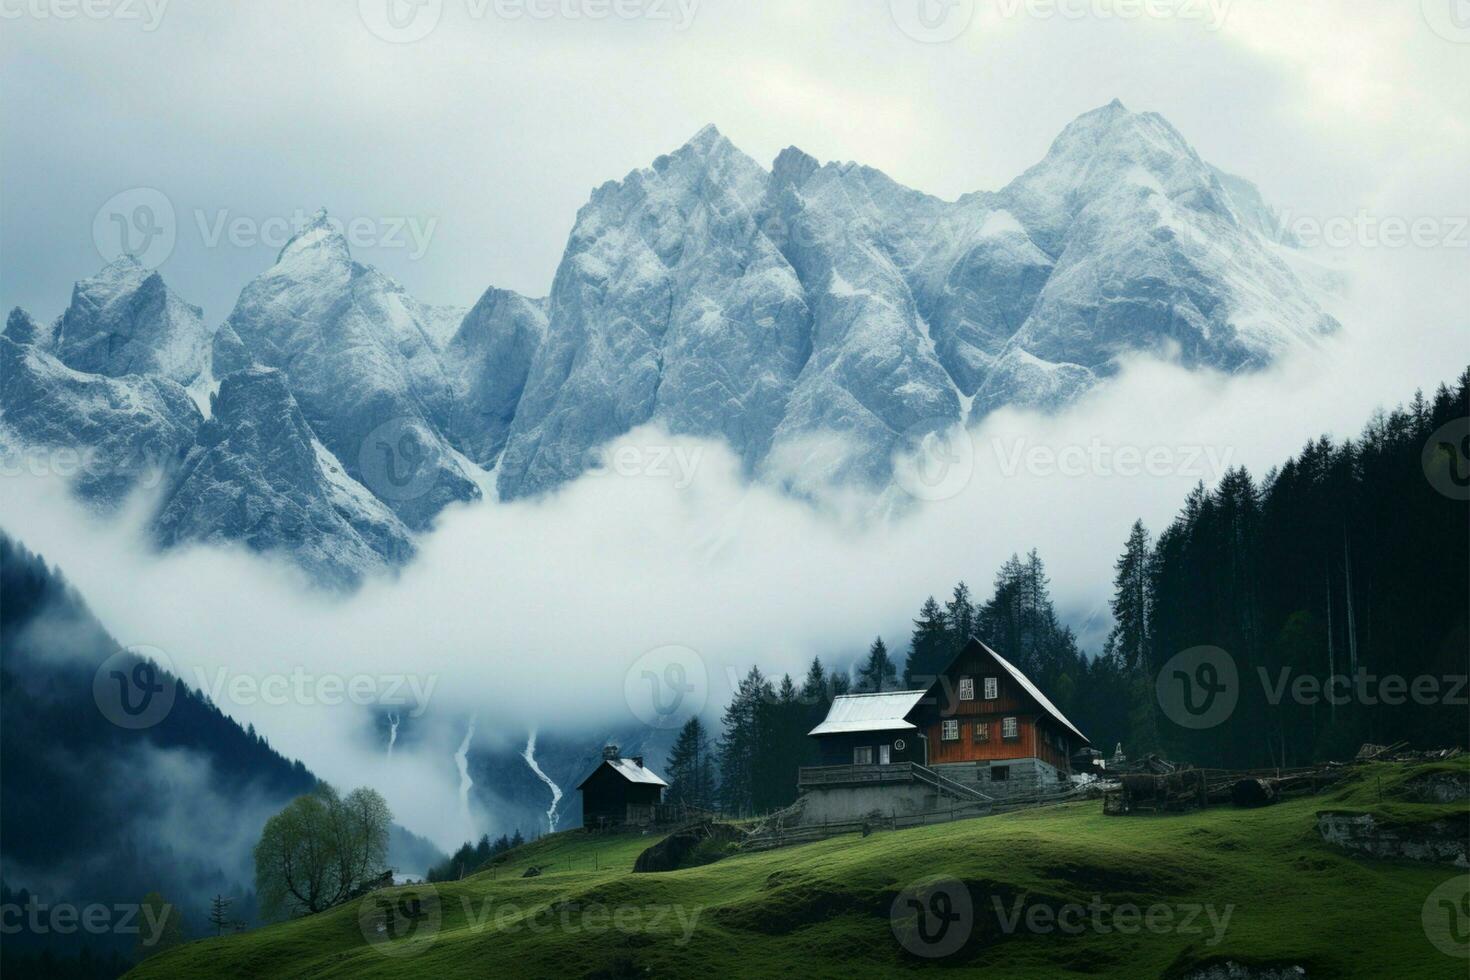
[
  {"x": 21, "y": 327},
  {"x": 125, "y": 320},
  {"x": 792, "y": 167},
  {"x": 319, "y": 242}
]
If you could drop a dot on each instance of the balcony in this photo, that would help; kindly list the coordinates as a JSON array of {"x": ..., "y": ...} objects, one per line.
[{"x": 827, "y": 777}]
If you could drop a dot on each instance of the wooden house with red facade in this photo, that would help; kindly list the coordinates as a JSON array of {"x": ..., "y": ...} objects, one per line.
[{"x": 981, "y": 731}]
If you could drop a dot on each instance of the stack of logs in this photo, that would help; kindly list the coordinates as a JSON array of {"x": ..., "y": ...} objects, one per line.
[{"x": 1189, "y": 789}]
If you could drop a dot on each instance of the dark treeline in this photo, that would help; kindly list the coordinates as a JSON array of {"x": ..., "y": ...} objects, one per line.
[
  {"x": 472, "y": 856},
  {"x": 1350, "y": 560},
  {"x": 104, "y": 802}
]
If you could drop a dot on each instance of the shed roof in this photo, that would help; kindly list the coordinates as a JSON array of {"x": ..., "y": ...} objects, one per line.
[
  {"x": 629, "y": 770},
  {"x": 881, "y": 712}
]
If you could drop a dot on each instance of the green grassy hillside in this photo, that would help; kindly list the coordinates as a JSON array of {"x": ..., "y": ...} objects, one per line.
[{"x": 1143, "y": 896}]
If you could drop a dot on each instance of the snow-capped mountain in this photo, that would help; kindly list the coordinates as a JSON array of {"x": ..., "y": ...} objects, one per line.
[
  {"x": 358, "y": 354},
  {"x": 492, "y": 350},
  {"x": 124, "y": 320},
  {"x": 1152, "y": 251},
  {"x": 120, "y": 432},
  {"x": 815, "y": 317},
  {"x": 256, "y": 474},
  {"x": 669, "y": 303},
  {"x": 252, "y": 471}
]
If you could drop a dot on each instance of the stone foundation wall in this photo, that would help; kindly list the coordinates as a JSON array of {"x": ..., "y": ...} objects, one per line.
[
  {"x": 844, "y": 803},
  {"x": 1024, "y": 777}
]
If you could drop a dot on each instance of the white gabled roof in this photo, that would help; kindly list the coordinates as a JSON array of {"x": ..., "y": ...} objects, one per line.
[
  {"x": 629, "y": 770},
  {"x": 634, "y": 773},
  {"x": 884, "y": 712},
  {"x": 1034, "y": 691}
]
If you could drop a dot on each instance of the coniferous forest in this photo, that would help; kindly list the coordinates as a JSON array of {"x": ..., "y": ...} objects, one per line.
[{"x": 1336, "y": 584}]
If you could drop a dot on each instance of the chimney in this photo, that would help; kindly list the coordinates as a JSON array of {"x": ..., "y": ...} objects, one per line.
[
  {"x": 638, "y": 761},
  {"x": 610, "y": 752}
]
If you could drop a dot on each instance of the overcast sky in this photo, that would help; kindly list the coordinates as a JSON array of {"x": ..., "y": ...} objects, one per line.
[{"x": 486, "y": 134}]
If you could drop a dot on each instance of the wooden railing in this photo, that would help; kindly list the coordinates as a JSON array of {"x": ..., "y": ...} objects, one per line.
[
  {"x": 809, "y": 777},
  {"x": 946, "y": 785}
]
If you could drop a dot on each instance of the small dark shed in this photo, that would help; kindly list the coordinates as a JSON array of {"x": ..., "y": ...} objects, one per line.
[{"x": 620, "y": 792}]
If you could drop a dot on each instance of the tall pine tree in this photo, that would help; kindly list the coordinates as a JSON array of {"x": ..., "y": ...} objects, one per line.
[
  {"x": 692, "y": 767},
  {"x": 959, "y": 617},
  {"x": 740, "y": 742},
  {"x": 1132, "y": 600},
  {"x": 930, "y": 647},
  {"x": 877, "y": 672}
]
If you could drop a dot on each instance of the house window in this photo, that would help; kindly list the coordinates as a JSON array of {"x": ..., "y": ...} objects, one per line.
[
  {"x": 981, "y": 731},
  {"x": 992, "y": 688},
  {"x": 967, "y": 688},
  {"x": 862, "y": 755},
  {"x": 949, "y": 730},
  {"x": 1009, "y": 728},
  {"x": 999, "y": 774},
  {"x": 885, "y": 754}
]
